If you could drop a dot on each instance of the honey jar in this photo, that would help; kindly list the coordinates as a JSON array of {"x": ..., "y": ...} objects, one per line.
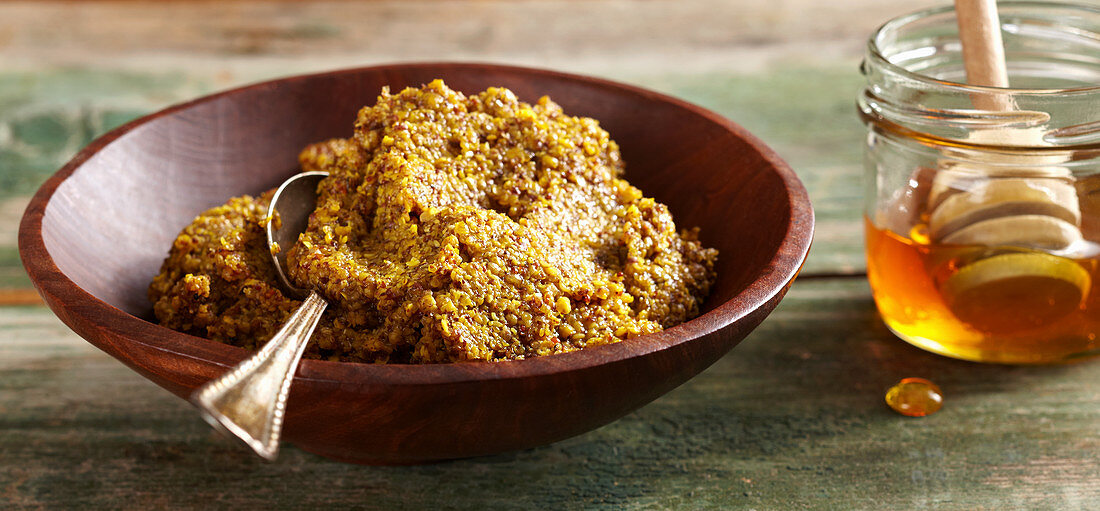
[{"x": 983, "y": 226}]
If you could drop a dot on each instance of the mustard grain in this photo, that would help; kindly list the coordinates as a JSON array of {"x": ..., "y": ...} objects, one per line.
[{"x": 451, "y": 228}]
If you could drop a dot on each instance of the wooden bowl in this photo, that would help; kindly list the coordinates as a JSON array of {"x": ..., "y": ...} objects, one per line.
[{"x": 96, "y": 233}]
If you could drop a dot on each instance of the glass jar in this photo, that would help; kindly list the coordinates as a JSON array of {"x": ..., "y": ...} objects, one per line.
[{"x": 982, "y": 212}]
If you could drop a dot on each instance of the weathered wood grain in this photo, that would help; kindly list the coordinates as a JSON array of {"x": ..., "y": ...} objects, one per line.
[
  {"x": 577, "y": 35},
  {"x": 792, "y": 418},
  {"x": 805, "y": 113},
  {"x": 19, "y": 296},
  {"x": 786, "y": 70}
]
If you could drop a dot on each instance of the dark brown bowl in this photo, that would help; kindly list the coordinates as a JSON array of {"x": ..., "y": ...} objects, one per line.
[{"x": 95, "y": 235}]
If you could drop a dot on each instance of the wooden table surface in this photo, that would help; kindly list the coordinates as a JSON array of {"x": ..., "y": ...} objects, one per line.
[{"x": 791, "y": 418}]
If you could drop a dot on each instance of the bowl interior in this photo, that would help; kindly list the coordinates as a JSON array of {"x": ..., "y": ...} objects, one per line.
[{"x": 109, "y": 225}]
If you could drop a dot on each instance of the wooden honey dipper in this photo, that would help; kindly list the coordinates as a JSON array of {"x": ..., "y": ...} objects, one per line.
[
  {"x": 996, "y": 202},
  {"x": 1025, "y": 206}
]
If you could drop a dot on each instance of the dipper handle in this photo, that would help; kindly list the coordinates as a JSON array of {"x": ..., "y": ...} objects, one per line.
[{"x": 983, "y": 51}]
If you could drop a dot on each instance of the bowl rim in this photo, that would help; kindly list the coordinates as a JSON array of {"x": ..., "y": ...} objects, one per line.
[{"x": 772, "y": 281}]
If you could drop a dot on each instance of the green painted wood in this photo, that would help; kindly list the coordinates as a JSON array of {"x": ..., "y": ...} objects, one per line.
[
  {"x": 791, "y": 418},
  {"x": 805, "y": 113},
  {"x": 787, "y": 71}
]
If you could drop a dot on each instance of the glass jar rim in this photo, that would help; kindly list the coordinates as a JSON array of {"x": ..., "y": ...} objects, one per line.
[{"x": 895, "y": 24}]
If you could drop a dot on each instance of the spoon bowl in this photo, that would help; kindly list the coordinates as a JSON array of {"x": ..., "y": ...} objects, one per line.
[{"x": 294, "y": 201}]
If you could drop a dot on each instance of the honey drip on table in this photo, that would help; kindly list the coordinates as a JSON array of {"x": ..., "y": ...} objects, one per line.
[{"x": 915, "y": 397}]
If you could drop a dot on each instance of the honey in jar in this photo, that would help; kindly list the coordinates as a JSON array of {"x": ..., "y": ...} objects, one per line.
[
  {"x": 1018, "y": 306},
  {"x": 983, "y": 226}
]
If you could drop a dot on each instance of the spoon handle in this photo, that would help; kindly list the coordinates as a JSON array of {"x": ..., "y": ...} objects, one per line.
[{"x": 249, "y": 400}]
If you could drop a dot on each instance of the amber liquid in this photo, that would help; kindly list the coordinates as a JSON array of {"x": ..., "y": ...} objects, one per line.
[{"x": 1020, "y": 321}]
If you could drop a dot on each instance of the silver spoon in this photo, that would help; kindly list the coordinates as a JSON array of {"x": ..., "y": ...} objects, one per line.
[{"x": 249, "y": 400}]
